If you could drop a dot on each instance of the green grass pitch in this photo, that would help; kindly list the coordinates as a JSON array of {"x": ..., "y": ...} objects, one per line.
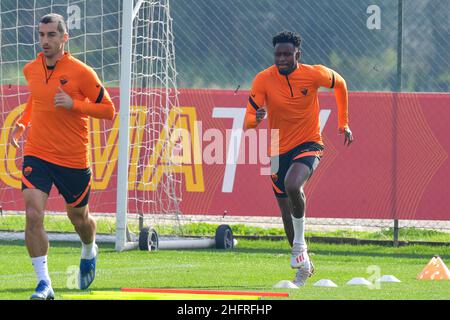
[{"x": 252, "y": 265}]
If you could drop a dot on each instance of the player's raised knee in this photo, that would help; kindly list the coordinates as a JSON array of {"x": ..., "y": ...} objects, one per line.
[
  {"x": 292, "y": 189},
  {"x": 78, "y": 215}
]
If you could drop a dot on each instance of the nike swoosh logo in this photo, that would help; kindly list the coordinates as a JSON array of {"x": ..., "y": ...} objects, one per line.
[{"x": 253, "y": 95}]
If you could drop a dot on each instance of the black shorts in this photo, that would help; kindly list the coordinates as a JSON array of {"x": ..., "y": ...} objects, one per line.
[
  {"x": 308, "y": 153},
  {"x": 73, "y": 184}
]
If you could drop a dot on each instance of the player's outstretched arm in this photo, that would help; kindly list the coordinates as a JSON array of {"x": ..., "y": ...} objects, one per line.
[
  {"x": 255, "y": 112},
  {"x": 21, "y": 125},
  {"x": 331, "y": 79},
  {"x": 341, "y": 95}
]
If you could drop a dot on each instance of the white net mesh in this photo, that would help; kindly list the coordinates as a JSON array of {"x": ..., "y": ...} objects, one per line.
[
  {"x": 220, "y": 44},
  {"x": 154, "y": 186}
]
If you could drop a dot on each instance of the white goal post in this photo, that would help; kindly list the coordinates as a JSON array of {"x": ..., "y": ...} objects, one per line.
[
  {"x": 147, "y": 44},
  {"x": 137, "y": 174},
  {"x": 122, "y": 240}
]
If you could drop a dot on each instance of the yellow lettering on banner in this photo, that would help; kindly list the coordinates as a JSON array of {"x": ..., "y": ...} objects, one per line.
[
  {"x": 183, "y": 129},
  {"x": 104, "y": 151},
  {"x": 138, "y": 120},
  {"x": 104, "y": 158},
  {"x": 10, "y": 173}
]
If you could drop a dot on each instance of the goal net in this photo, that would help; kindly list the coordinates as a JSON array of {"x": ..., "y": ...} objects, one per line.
[{"x": 134, "y": 157}]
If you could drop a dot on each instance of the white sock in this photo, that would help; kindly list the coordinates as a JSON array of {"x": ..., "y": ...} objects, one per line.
[
  {"x": 41, "y": 269},
  {"x": 88, "y": 250},
  {"x": 299, "y": 232}
]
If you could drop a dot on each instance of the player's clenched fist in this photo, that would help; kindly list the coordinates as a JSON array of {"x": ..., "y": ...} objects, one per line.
[
  {"x": 260, "y": 114},
  {"x": 348, "y": 135},
  {"x": 62, "y": 99}
]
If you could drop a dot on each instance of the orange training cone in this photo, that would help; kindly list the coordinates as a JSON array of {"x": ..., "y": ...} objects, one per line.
[{"x": 435, "y": 270}]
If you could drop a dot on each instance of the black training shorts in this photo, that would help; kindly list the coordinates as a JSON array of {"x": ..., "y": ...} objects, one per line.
[
  {"x": 73, "y": 184},
  {"x": 308, "y": 153}
]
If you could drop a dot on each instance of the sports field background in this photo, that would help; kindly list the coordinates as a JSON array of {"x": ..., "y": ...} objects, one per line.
[{"x": 222, "y": 45}]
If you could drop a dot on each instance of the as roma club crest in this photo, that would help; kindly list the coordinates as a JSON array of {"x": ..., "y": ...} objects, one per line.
[
  {"x": 63, "y": 80},
  {"x": 27, "y": 171}
]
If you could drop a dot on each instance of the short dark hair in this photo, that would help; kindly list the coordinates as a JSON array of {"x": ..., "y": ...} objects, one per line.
[
  {"x": 287, "y": 37},
  {"x": 53, "y": 17}
]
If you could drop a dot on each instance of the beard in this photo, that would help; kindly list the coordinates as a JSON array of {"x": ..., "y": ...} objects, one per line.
[
  {"x": 288, "y": 70},
  {"x": 49, "y": 52}
]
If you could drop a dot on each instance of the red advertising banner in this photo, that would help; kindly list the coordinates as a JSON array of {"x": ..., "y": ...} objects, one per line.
[{"x": 397, "y": 167}]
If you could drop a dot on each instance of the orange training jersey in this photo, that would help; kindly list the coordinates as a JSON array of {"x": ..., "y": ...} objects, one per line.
[
  {"x": 292, "y": 103},
  {"x": 58, "y": 135}
]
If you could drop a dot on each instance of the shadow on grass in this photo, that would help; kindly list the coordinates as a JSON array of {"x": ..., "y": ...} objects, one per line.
[
  {"x": 360, "y": 250},
  {"x": 426, "y": 253},
  {"x": 16, "y": 291},
  {"x": 422, "y": 255},
  {"x": 55, "y": 244}
]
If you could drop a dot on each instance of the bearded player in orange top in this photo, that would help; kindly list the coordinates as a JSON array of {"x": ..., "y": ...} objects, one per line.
[
  {"x": 64, "y": 92},
  {"x": 289, "y": 92}
]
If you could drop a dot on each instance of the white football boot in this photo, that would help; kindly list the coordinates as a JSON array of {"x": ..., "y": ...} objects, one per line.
[{"x": 300, "y": 260}]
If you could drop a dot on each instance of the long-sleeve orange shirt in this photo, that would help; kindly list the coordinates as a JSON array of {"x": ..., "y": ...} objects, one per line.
[
  {"x": 292, "y": 104},
  {"x": 58, "y": 135}
]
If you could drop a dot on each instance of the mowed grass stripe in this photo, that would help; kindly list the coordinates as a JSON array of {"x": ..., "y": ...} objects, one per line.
[{"x": 253, "y": 265}]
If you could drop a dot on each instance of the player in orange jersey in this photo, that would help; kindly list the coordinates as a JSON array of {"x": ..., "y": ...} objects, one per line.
[
  {"x": 288, "y": 92},
  {"x": 64, "y": 92}
]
